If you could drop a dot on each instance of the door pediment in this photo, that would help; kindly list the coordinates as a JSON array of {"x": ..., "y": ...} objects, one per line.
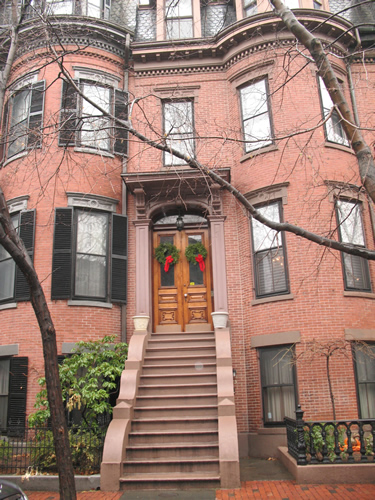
[{"x": 186, "y": 186}]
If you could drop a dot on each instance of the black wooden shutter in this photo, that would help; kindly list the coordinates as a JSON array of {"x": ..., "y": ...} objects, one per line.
[
  {"x": 36, "y": 115},
  {"x": 68, "y": 115},
  {"x": 4, "y": 134},
  {"x": 17, "y": 393},
  {"x": 121, "y": 112},
  {"x": 62, "y": 254},
  {"x": 27, "y": 235},
  {"x": 119, "y": 257}
]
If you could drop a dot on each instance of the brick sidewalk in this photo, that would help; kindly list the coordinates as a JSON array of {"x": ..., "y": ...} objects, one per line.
[{"x": 280, "y": 490}]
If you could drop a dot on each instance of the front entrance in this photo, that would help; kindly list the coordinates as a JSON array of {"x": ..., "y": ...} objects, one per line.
[{"x": 182, "y": 295}]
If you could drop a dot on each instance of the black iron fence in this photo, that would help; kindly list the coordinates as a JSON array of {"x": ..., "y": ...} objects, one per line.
[
  {"x": 339, "y": 442},
  {"x": 31, "y": 449}
]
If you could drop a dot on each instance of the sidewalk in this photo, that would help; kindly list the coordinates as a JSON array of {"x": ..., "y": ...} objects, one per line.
[
  {"x": 280, "y": 490},
  {"x": 260, "y": 479}
]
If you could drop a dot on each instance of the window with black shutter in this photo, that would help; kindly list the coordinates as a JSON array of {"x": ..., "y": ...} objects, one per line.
[
  {"x": 81, "y": 124},
  {"x": 89, "y": 255},
  {"x": 26, "y": 108},
  {"x": 355, "y": 269},
  {"x": 365, "y": 378},
  {"x": 13, "y": 284},
  {"x": 270, "y": 273}
]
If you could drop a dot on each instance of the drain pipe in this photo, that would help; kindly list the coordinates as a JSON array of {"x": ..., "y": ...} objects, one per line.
[{"x": 125, "y": 88}]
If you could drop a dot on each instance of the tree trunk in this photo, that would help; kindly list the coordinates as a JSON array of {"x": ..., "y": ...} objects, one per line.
[
  {"x": 354, "y": 135},
  {"x": 12, "y": 243}
]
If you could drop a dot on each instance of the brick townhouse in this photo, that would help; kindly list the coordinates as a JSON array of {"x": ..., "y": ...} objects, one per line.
[{"x": 225, "y": 82}]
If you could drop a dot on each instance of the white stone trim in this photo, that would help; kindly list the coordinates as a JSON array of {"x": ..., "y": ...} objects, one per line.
[
  {"x": 9, "y": 350},
  {"x": 92, "y": 201},
  {"x": 280, "y": 338},
  {"x": 96, "y": 76},
  {"x": 17, "y": 204}
]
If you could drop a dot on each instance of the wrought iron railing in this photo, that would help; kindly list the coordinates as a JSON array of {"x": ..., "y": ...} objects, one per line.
[
  {"x": 339, "y": 442},
  {"x": 31, "y": 449}
]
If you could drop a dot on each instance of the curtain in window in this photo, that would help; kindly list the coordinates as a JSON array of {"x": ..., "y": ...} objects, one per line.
[
  {"x": 278, "y": 384},
  {"x": 91, "y": 263}
]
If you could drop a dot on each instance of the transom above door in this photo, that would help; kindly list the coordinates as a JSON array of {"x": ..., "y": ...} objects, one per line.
[{"x": 182, "y": 294}]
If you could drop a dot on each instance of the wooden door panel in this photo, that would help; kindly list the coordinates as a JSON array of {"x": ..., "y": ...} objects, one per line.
[{"x": 178, "y": 301}]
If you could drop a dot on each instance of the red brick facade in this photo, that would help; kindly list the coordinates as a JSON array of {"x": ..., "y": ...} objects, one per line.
[{"x": 299, "y": 166}]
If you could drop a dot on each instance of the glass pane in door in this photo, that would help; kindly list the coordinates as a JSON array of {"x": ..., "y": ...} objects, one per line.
[
  {"x": 166, "y": 278},
  {"x": 195, "y": 274}
]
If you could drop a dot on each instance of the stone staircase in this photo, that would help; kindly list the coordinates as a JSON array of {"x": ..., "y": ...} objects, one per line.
[
  {"x": 174, "y": 424},
  {"x": 173, "y": 438}
]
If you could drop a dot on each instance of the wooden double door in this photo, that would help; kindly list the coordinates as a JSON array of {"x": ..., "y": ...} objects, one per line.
[{"x": 182, "y": 295}]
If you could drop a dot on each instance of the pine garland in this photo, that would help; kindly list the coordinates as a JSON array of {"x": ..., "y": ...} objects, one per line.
[
  {"x": 194, "y": 250},
  {"x": 165, "y": 249}
]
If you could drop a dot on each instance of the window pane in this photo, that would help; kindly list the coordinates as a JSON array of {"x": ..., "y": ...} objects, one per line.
[
  {"x": 258, "y": 131},
  {"x": 92, "y": 233},
  {"x": 356, "y": 272},
  {"x": 56, "y": 7},
  {"x": 7, "y": 273},
  {"x": 96, "y": 129},
  {"x": 178, "y": 117},
  {"x": 4, "y": 376},
  {"x": 263, "y": 236},
  {"x": 292, "y": 4},
  {"x": 365, "y": 367},
  {"x": 19, "y": 122},
  {"x": 271, "y": 274},
  {"x": 91, "y": 276},
  {"x": 94, "y": 8},
  {"x": 277, "y": 378},
  {"x": 91, "y": 256},
  {"x": 178, "y": 8},
  {"x": 334, "y": 130},
  {"x": 166, "y": 279},
  {"x": 178, "y": 126},
  {"x": 254, "y": 99},
  {"x": 179, "y": 28},
  {"x": 351, "y": 229}
]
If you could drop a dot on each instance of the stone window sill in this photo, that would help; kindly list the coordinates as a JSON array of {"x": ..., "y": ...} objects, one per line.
[
  {"x": 335, "y": 145},
  {"x": 256, "y": 152},
  {"x": 362, "y": 295},
  {"x": 274, "y": 298},
  {"x": 89, "y": 303},
  {"x": 9, "y": 305}
]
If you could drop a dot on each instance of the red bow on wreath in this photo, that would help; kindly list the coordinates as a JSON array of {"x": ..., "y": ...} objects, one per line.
[
  {"x": 168, "y": 261},
  {"x": 200, "y": 261}
]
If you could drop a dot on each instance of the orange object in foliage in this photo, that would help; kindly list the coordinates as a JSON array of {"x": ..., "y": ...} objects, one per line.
[{"x": 356, "y": 446}]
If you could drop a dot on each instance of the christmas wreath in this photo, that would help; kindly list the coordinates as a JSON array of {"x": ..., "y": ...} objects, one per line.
[
  {"x": 196, "y": 253},
  {"x": 167, "y": 254}
]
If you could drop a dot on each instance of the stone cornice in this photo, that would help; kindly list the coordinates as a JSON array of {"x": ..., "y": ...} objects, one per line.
[{"x": 250, "y": 35}]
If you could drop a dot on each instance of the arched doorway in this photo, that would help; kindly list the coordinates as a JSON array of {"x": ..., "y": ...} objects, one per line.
[{"x": 182, "y": 292}]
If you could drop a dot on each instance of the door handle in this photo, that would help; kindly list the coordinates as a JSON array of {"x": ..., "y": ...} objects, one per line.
[{"x": 185, "y": 295}]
